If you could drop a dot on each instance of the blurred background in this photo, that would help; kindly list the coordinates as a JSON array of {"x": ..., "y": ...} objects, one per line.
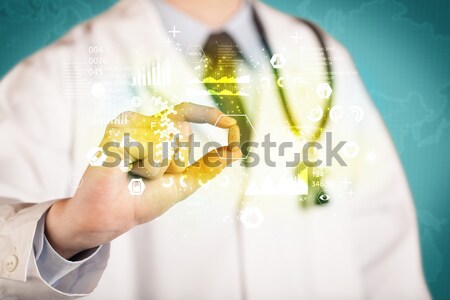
[{"x": 402, "y": 51}]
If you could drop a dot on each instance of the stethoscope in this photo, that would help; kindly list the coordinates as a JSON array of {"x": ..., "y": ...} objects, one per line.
[{"x": 293, "y": 123}]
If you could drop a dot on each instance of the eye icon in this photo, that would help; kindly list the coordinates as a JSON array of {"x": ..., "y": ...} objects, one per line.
[{"x": 323, "y": 198}]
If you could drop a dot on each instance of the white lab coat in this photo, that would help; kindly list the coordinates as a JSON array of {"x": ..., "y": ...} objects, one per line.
[{"x": 365, "y": 246}]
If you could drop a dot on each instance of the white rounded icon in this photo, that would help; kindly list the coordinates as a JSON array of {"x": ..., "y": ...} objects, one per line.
[
  {"x": 169, "y": 183},
  {"x": 182, "y": 181},
  {"x": 336, "y": 113},
  {"x": 136, "y": 186},
  {"x": 351, "y": 149},
  {"x": 280, "y": 81},
  {"x": 277, "y": 61},
  {"x": 251, "y": 217},
  {"x": 324, "y": 90},
  {"x": 315, "y": 114},
  {"x": 96, "y": 156},
  {"x": 356, "y": 112}
]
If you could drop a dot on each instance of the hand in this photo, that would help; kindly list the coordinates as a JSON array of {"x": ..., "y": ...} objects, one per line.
[{"x": 103, "y": 208}]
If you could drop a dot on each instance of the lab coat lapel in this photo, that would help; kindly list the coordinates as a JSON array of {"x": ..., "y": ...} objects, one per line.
[{"x": 310, "y": 234}]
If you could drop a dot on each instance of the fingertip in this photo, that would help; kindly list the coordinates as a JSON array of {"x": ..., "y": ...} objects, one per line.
[{"x": 226, "y": 121}]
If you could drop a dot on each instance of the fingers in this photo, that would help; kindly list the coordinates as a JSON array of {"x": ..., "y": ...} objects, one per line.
[
  {"x": 234, "y": 138},
  {"x": 147, "y": 170},
  {"x": 205, "y": 169},
  {"x": 141, "y": 130},
  {"x": 195, "y": 113},
  {"x": 180, "y": 159}
]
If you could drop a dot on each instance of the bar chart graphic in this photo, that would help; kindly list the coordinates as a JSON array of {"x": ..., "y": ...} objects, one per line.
[{"x": 155, "y": 74}]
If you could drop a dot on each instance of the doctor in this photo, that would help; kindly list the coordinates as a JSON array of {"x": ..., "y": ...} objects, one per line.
[{"x": 63, "y": 222}]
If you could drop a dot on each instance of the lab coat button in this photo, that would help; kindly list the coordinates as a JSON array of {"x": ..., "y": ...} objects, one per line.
[{"x": 10, "y": 263}]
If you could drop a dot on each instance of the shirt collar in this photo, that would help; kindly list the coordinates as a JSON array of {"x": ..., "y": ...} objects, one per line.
[{"x": 192, "y": 32}]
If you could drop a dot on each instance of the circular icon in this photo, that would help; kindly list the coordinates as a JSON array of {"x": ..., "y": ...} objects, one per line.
[
  {"x": 356, "y": 112},
  {"x": 315, "y": 114},
  {"x": 169, "y": 183},
  {"x": 182, "y": 181},
  {"x": 336, "y": 113},
  {"x": 351, "y": 149},
  {"x": 280, "y": 81}
]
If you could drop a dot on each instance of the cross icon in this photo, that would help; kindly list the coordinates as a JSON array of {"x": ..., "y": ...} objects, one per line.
[
  {"x": 174, "y": 31},
  {"x": 168, "y": 42},
  {"x": 346, "y": 182},
  {"x": 351, "y": 193},
  {"x": 296, "y": 37}
]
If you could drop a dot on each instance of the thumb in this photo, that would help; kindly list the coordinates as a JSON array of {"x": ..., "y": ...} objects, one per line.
[{"x": 206, "y": 168}]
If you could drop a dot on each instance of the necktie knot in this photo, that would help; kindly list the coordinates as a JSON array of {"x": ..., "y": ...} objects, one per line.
[{"x": 221, "y": 49}]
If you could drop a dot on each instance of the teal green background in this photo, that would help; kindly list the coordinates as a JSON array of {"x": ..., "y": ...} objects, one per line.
[{"x": 402, "y": 51}]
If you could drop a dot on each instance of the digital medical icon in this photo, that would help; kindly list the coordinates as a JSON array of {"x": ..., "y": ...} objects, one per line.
[
  {"x": 315, "y": 114},
  {"x": 297, "y": 37},
  {"x": 195, "y": 54},
  {"x": 136, "y": 186},
  {"x": 251, "y": 217},
  {"x": 336, "y": 113},
  {"x": 351, "y": 149},
  {"x": 174, "y": 31},
  {"x": 183, "y": 181},
  {"x": 323, "y": 198},
  {"x": 280, "y": 81},
  {"x": 168, "y": 183},
  {"x": 277, "y": 61},
  {"x": 95, "y": 156},
  {"x": 356, "y": 112},
  {"x": 324, "y": 90}
]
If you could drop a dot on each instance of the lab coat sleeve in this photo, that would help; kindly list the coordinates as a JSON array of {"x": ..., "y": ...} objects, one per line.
[
  {"x": 383, "y": 220},
  {"x": 20, "y": 277},
  {"x": 35, "y": 126},
  {"x": 52, "y": 267}
]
